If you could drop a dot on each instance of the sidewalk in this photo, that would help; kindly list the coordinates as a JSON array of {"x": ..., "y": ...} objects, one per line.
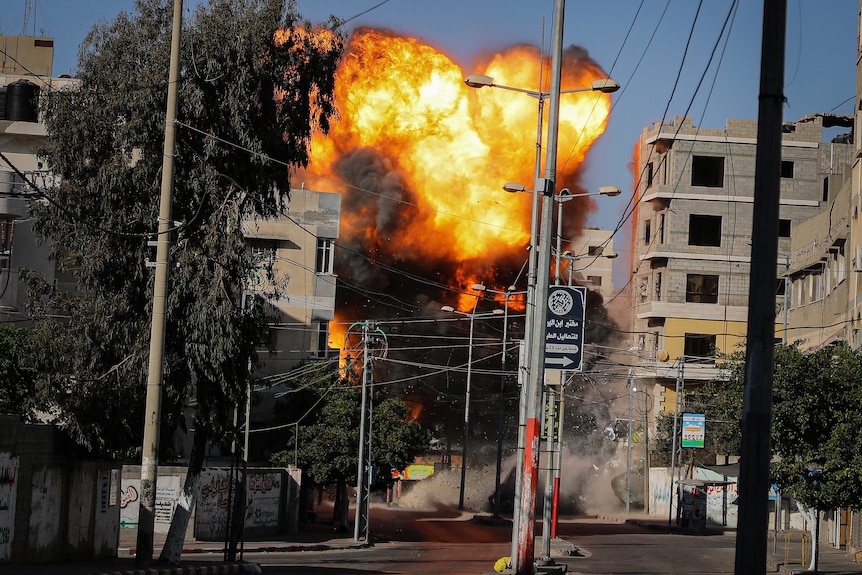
[
  {"x": 786, "y": 553},
  {"x": 207, "y": 557}
]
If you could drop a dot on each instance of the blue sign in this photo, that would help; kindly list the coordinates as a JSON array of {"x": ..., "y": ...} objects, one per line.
[{"x": 564, "y": 331}]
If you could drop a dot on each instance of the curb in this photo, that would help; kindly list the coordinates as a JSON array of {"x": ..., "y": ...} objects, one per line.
[{"x": 217, "y": 569}]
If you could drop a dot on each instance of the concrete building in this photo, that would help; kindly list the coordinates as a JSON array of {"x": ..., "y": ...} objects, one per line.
[
  {"x": 691, "y": 237},
  {"x": 588, "y": 261},
  {"x": 25, "y": 70},
  {"x": 301, "y": 245}
]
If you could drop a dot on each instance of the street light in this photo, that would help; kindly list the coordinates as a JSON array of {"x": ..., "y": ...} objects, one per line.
[
  {"x": 564, "y": 196},
  {"x": 472, "y": 316},
  {"x": 603, "y": 85},
  {"x": 572, "y": 258},
  {"x": 521, "y": 534},
  {"x": 510, "y": 291}
]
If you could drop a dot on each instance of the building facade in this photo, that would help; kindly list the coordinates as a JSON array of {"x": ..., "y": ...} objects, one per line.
[{"x": 691, "y": 239}]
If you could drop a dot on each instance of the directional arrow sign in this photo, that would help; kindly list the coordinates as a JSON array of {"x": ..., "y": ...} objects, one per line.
[{"x": 564, "y": 331}]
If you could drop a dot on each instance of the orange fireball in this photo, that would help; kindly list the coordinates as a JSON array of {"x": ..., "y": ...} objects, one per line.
[{"x": 420, "y": 158}]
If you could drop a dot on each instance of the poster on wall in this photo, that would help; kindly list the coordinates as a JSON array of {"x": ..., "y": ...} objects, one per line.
[{"x": 693, "y": 429}]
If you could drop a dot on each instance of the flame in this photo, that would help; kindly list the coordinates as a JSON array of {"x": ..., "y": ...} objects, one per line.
[{"x": 444, "y": 150}]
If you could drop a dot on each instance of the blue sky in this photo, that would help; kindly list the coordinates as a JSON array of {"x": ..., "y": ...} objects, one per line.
[{"x": 640, "y": 43}]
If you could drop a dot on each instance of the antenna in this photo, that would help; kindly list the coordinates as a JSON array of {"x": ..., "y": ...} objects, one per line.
[{"x": 28, "y": 6}]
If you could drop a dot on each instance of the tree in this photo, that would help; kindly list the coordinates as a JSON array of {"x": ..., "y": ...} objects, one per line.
[
  {"x": 17, "y": 376},
  {"x": 817, "y": 451},
  {"x": 255, "y": 82},
  {"x": 329, "y": 443}
]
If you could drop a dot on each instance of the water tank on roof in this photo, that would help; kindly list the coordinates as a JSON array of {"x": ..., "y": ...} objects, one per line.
[{"x": 22, "y": 101}]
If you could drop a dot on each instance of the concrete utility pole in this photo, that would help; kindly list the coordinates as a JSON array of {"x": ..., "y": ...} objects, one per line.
[
  {"x": 153, "y": 409},
  {"x": 752, "y": 536},
  {"x": 535, "y": 380}
]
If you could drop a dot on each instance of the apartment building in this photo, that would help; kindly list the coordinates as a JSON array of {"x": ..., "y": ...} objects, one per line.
[
  {"x": 691, "y": 238},
  {"x": 588, "y": 261}
]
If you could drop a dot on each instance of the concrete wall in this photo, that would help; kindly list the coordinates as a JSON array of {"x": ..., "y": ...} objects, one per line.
[
  {"x": 53, "y": 506},
  {"x": 272, "y": 501}
]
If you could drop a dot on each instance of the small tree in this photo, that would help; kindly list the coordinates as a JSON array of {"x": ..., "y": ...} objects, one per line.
[
  {"x": 329, "y": 443},
  {"x": 817, "y": 450}
]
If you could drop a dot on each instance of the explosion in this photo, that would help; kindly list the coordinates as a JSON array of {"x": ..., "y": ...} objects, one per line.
[{"x": 420, "y": 158}]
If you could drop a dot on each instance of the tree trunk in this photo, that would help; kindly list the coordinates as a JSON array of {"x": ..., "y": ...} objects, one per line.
[
  {"x": 180, "y": 521},
  {"x": 812, "y": 521},
  {"x": 340, "y": 507}
]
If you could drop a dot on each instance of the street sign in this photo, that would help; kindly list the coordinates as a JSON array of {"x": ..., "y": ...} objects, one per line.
[{"x": 564, "y": 331}]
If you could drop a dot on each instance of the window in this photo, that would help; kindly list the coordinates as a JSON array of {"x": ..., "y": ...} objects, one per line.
[
  {"x": 786, "y": 169},
  {"x": 325, "y": 249},
  {"x": 825, "y": 197},
  {"x": 661, "y": 228},
  {"x": 783, "y": 228},
  {"x": 647, "y": 231},
  {"x": 594, "y": 250},
  {"x": 594, "y": 280},
  {"x": 323, "y": 339},
  {"x": 704, "y": 230},
  {"x": 707, "y": 171},
  {"x": 650, "y": 175},
  {"x": 700, "y": 288},
  {"x": 699, "y": 345},
  {"x": 657, "y": 286}
]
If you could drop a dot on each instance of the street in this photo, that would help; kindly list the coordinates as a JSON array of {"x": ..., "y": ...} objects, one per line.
[{"x": 452, "y": 543}]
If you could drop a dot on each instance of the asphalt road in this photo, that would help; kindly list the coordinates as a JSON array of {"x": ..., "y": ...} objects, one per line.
[{"x": 458, "y": 544}]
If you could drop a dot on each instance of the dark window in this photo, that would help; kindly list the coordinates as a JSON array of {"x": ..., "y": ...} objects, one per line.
[
  {"x": 699, "y": 345},
  {"x": 780, "y": 286},
  {"x": 650, "y": 175},
  {"x": 825, "y": 189},
  {"x": 786, "y": 169},
  {"x": 783, "y": 228},
  {"x": 647, "y": 231},
  {"x": 595, "y": 250},
  {"x": 325, "y": 249},
  {"x": 707, "y": 171},
  {"x": 594, "y": 280},
  {"x": 700, "y": 288},
  {"x": 323, "y": 339},
  {"x": 704, "y": 230}
]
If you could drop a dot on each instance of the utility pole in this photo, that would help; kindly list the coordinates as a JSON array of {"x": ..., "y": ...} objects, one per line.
[
  {"x": 535, "y": 381},
  {"x": 751, "y": 539},
  {"x": 153, "y": 409}
]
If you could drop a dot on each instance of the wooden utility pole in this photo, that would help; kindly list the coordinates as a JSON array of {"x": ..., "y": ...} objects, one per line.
[{"x": 753, "y": 524}]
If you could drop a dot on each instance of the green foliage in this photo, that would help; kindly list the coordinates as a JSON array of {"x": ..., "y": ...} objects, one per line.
[
  {"x": 815, "y": 422},
  {"x": 247, "y": 106},
  {"x": 329, "y": 434},
  {"x": 17, "y": 376}
]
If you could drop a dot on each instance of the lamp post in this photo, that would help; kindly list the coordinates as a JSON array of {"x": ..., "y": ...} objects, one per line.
[
  {"x": 564, "y": 196},
  {"x": 510, "y": 291},
  {"x": 472, "y": 316},
  {"x": 522, "y": 543},
  {"x": 572, "y": 258}
]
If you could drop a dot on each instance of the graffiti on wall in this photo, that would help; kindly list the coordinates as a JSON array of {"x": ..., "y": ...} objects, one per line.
[
  {"x": 263, "y": 495},
  {"x": 211, "y": 509},
  {"x": 263, "y": 501},
  {"x": 8, "y": 494},
  {"x": 167, "y": 494}
]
